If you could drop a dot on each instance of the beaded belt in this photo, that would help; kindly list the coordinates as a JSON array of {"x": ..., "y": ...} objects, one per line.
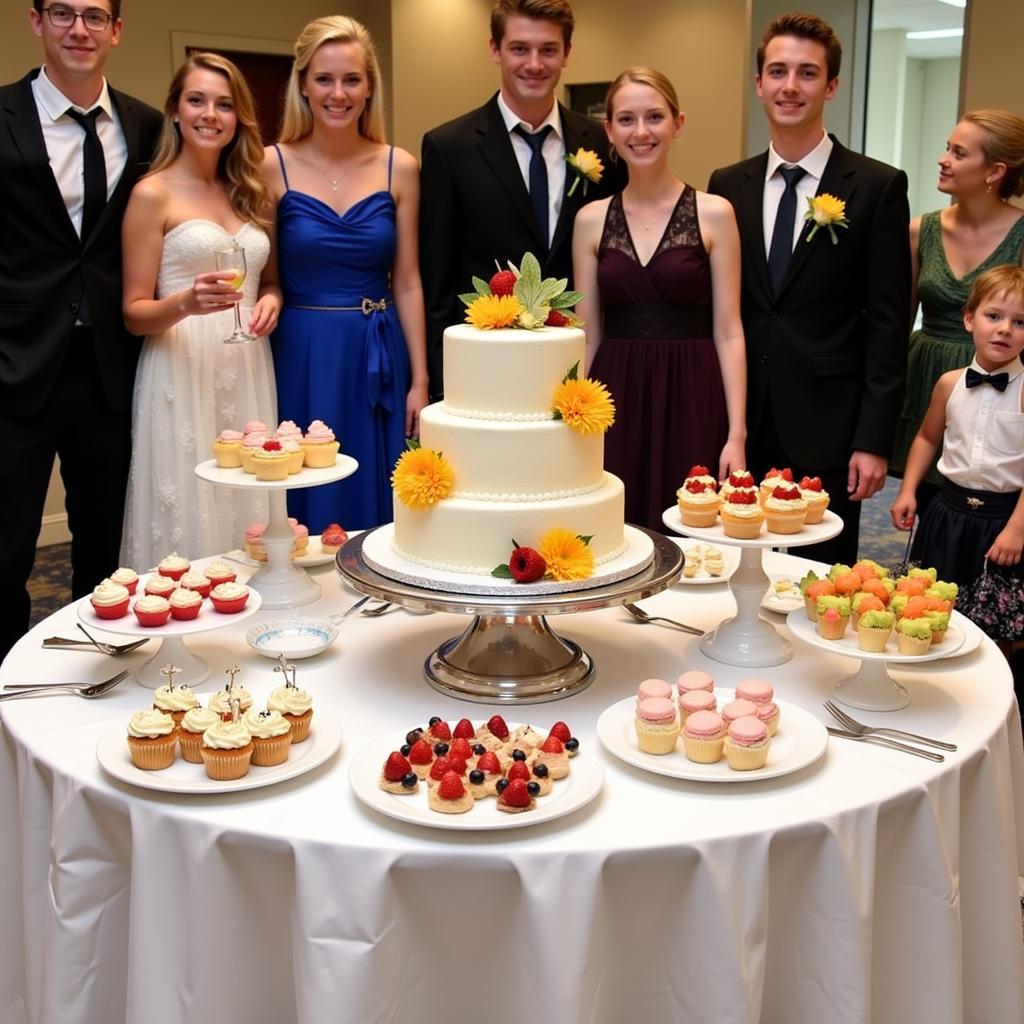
[{"x": 366, "y": 307}]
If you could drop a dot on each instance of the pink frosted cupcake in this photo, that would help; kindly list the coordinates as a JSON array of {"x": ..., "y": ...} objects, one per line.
[
  {"x": 296, "y": 456},
  {"x": 657, "y": 725},
  {"x": 746, "y": 745},
  {"x": 251, "y": 444},
  {"x": 254, "y": 542},
  {"x": 703, "y": 737},
  {"x": 653, "y": 688},
  {"x": 738, "y": 709},
  {"x": 256, "y": 427},
  {"x": 227, "y": 449},
  {"x": 320, "y": 446},
  {"x": 288, "y": 428},
  {"x": 696, "y": 700}
]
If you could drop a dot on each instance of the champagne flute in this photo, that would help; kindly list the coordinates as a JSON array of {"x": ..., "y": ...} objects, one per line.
[{"x": 234, "y": 259}]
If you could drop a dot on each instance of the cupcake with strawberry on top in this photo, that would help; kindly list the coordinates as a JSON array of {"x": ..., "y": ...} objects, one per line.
[
  {"x": 698, "y": 498},
  {"x": 816, "y": 496},
  {"x": 742, "y": 516},
  {"x": 785, "y": 510},
  {"x": 775, "y": 478},
  {"x": 739, "y": 480}
]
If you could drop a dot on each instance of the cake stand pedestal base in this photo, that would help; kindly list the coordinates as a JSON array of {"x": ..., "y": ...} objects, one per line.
[
  {"x": 871, "y": 688},
  {"x": 281, "y": 584},
  {"x": 509, "y": 659},
  {"x": 172, "y": 651}
]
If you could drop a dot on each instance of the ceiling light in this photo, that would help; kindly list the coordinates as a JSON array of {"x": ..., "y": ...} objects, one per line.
[
  {"x": 954, "y": 3},
  {"x": 937, "y": 33}
]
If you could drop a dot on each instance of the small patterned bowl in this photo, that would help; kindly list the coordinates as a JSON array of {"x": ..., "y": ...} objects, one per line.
[{"x": 294, "y": 637}]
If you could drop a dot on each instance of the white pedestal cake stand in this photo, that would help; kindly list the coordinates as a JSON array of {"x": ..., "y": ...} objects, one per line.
[
  {"x": 871, "y": 687},
  {"x": 282, "y": 584},
  {"x": 172, "y": 650},
  {"x": 746, "y": 639},
  {"x": 509, "y": 654}
]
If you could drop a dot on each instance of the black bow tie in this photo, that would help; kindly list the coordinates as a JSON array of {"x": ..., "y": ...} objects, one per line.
[{"x": 998, "y": 380}]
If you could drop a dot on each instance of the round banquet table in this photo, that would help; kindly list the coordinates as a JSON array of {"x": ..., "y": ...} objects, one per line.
[{"x": 870, "y": 886}]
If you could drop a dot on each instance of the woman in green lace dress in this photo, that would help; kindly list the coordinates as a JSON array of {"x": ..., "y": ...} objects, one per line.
[{"x": 982, "y": 169}]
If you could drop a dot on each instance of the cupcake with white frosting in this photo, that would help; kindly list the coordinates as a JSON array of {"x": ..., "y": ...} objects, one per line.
[
  {"x": 297, "y": 708},
  {"x": 152, "y": 736},
  {"x": 227, "y": 750},
  {"x": 271, "y": 736}
]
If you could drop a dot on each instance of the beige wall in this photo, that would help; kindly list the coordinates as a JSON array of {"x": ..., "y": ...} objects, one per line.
[
  {"x": 701, "y": 47},
  {"x": 993, "y": 30}
]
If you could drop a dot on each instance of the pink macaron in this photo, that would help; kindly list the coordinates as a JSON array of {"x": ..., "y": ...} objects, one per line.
[
  {"x": 760, "y": 691},
  {"x": 747, "y": 731},
  {"x": 657, "y": 710},
  {"x": 738, "y": 709},
  {"x": 653, "y": 688},
  {"x": 704, "y": 725},
  {"x": 695, "y": 679}
]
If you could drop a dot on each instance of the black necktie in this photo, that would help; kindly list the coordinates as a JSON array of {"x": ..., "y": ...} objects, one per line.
[
  {"x": 782, "y": 235},
  {"x": 998, "y": 380},
  {"x": 94, "y": 196},
  {"x": 538, "y": 177}
]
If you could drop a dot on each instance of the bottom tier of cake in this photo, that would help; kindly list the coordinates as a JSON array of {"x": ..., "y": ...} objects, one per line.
[{"x": 469, "y": 536}]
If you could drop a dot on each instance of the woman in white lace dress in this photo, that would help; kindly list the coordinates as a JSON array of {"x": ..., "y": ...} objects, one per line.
[{"x": 203, "y": 193}]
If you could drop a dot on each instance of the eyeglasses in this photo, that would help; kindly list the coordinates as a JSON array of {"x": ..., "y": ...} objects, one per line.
[{"x": 95, "y": 19}]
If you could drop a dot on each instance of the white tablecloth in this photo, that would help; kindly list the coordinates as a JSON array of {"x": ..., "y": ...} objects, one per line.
[{"x": 872, "y": 886}]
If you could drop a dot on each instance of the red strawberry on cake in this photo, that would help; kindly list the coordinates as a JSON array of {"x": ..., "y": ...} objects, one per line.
[
  {"x": 515, "y": 798},
  {"x": 552, "y": 754},
  {"x": 494, "y": 734},
  {"x": 742, "y": 515},
  {"x": 421, "y": 757},
  {"x": 817, "y": 498},
  {"x": 785, "y": 510},
  {"x": 438, "y": 731},
  {"x": 464, "y": 729},
  {"x": 450, "y": 795},
  {"x": 698, "y": 498},
  {"x": 503, "y": 283}
]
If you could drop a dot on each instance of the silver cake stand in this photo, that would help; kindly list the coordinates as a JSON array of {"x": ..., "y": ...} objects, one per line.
[{"x": 509, "y": 654}]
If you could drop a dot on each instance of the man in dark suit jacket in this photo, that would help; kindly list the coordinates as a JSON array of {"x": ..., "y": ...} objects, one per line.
[
  {"x": 477, "y": 205},
  {"x": 67, "y": 364},
  {"x": 826, "y": 318}
]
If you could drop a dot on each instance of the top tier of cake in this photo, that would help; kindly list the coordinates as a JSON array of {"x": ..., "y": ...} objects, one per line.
[{"x": 507, "y": 374}]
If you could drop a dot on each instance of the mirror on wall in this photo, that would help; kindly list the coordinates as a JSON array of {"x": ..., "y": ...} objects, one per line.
[{"x": 914, "y": 89}]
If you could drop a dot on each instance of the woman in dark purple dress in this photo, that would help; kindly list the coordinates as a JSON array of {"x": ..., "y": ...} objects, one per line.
[{"x": 659, "y": 264}]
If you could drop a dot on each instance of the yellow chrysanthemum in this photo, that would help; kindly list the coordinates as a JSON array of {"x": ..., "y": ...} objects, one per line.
[
  {"x": 567, "y": 556},
  {"x": 491, "y": 311},
  {"x": 587, "y": 163},
  {"x": 585, "y": 405},
  {"x": 422, "y": 478},
  {"x": 827, "y": 209}
]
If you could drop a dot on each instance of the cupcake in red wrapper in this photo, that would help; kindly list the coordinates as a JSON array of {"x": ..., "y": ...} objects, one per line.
[
  {"x": 196, "y": 581},
  {"x": 151, "y": 610},
  {"x": 219, "y": 572},
  {"x": 229, "y": 598},
  {"x": 160, "y": 586},
  {"x": 109, "y": 600},
  {"x": 173, "y": 566},
  {"x": 128, "y": 578},
  {"x": 185, "y": 604}
]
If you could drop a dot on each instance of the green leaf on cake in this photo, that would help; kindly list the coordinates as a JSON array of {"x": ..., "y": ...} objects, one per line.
[
  {"x": 503, "y": 572},
  {"x": 566, "y": 300},
  {"x": 574, "y": 372},
  {"x": 411, "y": 444},
  {"x": 585, "y": 538},
  {"x": 481, "y": 286},
  {"x": 468, "y": 298}
]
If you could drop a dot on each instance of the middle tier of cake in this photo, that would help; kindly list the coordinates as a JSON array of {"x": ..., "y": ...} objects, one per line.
[{"x": 497, "y": 461}]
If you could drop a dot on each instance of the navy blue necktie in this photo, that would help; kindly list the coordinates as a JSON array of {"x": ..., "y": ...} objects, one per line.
[
  {"x": 782, "y": 236},
  {"x": 94, "y": 194},
  {"x": 538, "y": 177},
  {"x": 998, "y": 380}
]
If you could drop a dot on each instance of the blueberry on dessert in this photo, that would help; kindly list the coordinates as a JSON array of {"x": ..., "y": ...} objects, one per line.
[{"x": 515, "y": 798}]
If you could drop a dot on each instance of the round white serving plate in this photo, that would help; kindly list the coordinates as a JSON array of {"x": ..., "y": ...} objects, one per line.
[
  {"x": 800, "y": 741},
  {"x": 184, "y": 777},
  {"x": 829, "y": 527},
  {"x": 586, "y": 776}
]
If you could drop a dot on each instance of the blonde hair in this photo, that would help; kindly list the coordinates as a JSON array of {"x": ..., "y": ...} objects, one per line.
[
  {"x": 238, "y": 166},
  {"x": 642, "y": 76},
  {"x": 1007, "y": 280},
  {"x": 337, "y": 28},
  {"x": 1003, "y": 143}
]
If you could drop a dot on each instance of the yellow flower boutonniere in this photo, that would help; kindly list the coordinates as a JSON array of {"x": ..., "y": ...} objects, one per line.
[
  {"x": 588, "y": 167},
  {"x": 826, "y": 211},
  {"x": 422, "y": 477}
]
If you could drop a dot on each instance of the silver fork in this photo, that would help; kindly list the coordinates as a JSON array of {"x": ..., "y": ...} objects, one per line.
[
  {"x": 870, "y": 730},
  {"x": 87, "y": 690},
  {"x": 882, "y": 741},
  {"x": 640, "y": 615},
  {"x": 102, "y": 645},
  {"x": 61, "y": 643}
]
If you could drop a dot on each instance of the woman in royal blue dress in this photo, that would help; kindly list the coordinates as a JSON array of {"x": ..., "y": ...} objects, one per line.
[{"x": 349, "y": 347}]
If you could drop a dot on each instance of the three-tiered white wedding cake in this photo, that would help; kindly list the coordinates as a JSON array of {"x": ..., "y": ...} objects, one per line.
[{"x": 519, "y": 471}]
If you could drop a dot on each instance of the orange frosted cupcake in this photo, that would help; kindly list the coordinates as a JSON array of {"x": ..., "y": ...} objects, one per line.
[
  {"x": 817, "y": 498},
  {"x": 742, "y": 516},
  {"x": 862, "y": 602},
  {"x": 784, "y": 510},
  {"x": 814, "y": 590},
  {"x": 227, "y": 751},
  {"x": 152, "y": 736}
]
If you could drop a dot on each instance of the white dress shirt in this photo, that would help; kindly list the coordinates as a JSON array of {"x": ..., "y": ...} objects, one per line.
[
  {"x": 554, "y": 156},
  {"x": 983, "y": 446},
  {"x": 64, "y": 139},
  {"x": 807, "y": 187}
]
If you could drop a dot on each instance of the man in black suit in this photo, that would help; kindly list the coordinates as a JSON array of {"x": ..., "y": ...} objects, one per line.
[
  {"x": 70, "y": 151},
  {"x": 495, "y": 182},
  {"x": 826, "y": 318}
]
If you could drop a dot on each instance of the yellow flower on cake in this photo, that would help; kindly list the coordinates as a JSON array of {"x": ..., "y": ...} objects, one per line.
[
  {"x": 585, "y": 405},
  {"x": 492, "y": 311},
  {"x": 588, "y": 167},
  {"x": 568, "y": 555},
  {"x": 826, "y": 211},
  {"x": 422, "y": 478}
]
